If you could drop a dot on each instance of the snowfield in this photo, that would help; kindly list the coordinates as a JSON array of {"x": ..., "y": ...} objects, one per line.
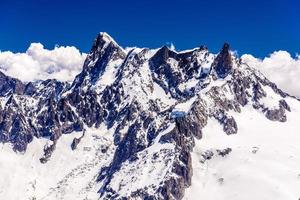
[
  {"x": 67, "y": 175},
  {"x": 264, "y": 162}
]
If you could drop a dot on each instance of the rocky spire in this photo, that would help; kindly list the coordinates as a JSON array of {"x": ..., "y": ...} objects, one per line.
[
  {"x": 104, "y": 50},
  {"x": 223, "y": 62},
  {"x": 102, "y": 41}
]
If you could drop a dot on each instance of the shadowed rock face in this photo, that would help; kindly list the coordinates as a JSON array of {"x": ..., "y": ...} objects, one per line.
[
  {"x": 10, "y": 85},
  {"x": 104, "y": 49},
  {"x": 138, "y": 120},
  {"x": 223, "y": 62},
  {"x": 170, "y": 69},
  {"x": 24, "y": 106}
]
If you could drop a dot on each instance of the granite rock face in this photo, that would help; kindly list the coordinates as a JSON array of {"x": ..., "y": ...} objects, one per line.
[
  {"x": 223, "y": 62},
  {"x": 155, "y": 102},
  {"x": 9, "y": 85}
]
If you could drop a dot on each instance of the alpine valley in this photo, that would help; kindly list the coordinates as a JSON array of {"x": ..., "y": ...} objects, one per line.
[{"x": 141, "y": 123}]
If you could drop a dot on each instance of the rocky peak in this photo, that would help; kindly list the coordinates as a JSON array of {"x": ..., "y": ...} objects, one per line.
[
  {"x": 102, "y": 41},
  {"x": 223, "y": 62},
  {"x": 104, "y": 47},
  {"x": 162, "y": 55},
  {"x": 104, "y": 52},
  {"x": 226, "y": 47},
  {"x": 172, "y": 70},
  {"x": 203, "y": 47}
]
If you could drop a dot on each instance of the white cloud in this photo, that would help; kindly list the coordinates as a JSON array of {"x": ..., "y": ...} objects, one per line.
[
  {"x": 38, "y": 63},
  {"x": 281, "y": 68},
  {"x": 172, "y": 46}
]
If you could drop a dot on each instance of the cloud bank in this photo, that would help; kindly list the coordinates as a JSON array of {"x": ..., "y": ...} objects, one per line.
[
  {"x": 281, "y": 68},
  {"x": 38, "y": 63}
]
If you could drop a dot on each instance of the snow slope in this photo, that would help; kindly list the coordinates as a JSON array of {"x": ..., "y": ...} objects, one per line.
[
  {"x": 263, "y": 164},
  {"x": 69, "y": 174}
]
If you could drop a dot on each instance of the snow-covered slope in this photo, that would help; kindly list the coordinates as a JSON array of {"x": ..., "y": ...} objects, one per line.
[
  {"x": 150, "y": 124},
  {"x": 263, "y": 161}
]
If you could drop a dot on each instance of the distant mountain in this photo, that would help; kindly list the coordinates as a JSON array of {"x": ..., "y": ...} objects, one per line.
[{"x": 141, "y": 123}]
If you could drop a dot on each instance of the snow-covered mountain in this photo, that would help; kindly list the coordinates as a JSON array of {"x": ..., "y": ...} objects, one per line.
[{"x": 141, "y": 123}]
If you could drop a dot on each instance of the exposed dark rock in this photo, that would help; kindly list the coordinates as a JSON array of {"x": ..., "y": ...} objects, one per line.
[
  {"x": 239, "y": 87},
  {"x": 48, "y": 150},
  {"x": 207, "y": 155},
  {"x": 223, "y": 62},
  {"x": 221, "y": 180},
  {"x": 254, "y": 150},
  {"x": 172, "y": 189},
  {"x": 224, "y": 152},
  {"x": 258, "y": 92},
  {"x": 229, "y": 124},
  {"x": 30, "y": 89},
  {"x": 171, "y": 69},
  {"x": 283, "y": 103},
  {"x": 76, "y": 141},
  {"x": 276, "y": 114},
  {"x": 10, "y": 85}
]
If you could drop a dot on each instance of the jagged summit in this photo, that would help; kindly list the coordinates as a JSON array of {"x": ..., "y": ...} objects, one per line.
[
  {"x": 102, "y": 40},
  {"x": 104, "y": 53},
  {"x": 106, "y": 36},
  {"x": 226, "y": 47},
  {"x": 223, "y": 63},
  {"x": 127, "y": 126}
]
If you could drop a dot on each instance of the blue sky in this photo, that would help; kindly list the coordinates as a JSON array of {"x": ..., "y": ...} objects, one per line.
[{"x": 256, "y": 27}]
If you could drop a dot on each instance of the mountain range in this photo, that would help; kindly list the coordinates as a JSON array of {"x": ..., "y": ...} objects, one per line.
[{"x": 139, "y": 123}]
